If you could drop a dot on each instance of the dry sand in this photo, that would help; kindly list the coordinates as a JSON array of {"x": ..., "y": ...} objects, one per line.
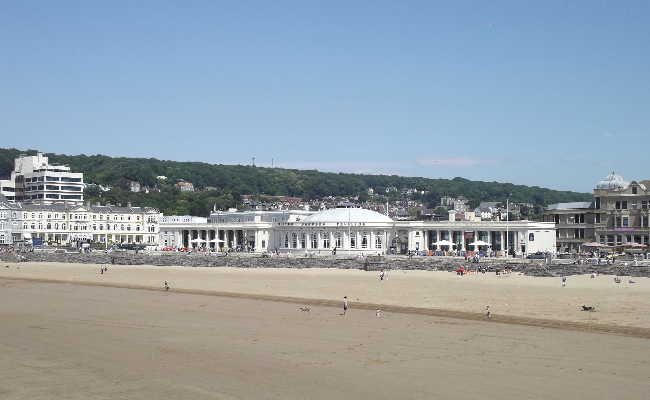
[{"x": 220, "y": 333}]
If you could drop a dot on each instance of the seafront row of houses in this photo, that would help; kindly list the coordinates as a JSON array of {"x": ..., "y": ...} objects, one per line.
[{"x": 46, "y": 206}]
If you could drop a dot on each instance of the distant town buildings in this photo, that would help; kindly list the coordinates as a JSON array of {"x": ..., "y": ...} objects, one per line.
[{"x": 185, "y": 186}]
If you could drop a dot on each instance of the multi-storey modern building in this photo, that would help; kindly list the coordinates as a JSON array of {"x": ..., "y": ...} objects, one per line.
[{"x": 34, "y": 178}]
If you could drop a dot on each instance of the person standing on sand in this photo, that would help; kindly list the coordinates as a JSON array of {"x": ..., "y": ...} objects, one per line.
[
  {"x": 377, "y": 314},
  {"x": 487, "y": 310},
  {"x": 381, "y": 275},
  {"x": 345, "y": 305},
  {"x": 101, "y": 270},
  {"x": 166, "y": 286},
  {"x": 563, "y": 280}
]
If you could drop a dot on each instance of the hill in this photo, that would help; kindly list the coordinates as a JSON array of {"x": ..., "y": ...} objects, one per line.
[{"x": 232, "y": 180}]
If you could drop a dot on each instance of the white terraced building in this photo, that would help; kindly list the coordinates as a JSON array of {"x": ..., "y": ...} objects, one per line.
[
  {"x": 69, "y": 224},
  {"x": 353, "y": 231}
]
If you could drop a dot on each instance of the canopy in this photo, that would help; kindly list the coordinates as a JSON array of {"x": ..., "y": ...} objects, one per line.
[
  {"x": 633, "y": 245},
  {"x": 215, "y": 240},
  {"x": 592, "y": 244},
  {"x": 197, "y": 240},
  {"x": 480, "y": 243}
]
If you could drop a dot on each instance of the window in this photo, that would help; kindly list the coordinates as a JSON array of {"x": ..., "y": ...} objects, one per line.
[
  {"x": 624, "y": 205},
  {"x": 353, "y": 241},
  {"x": 337, "y": 239},
  {"x": 619, "y": 240},
  {"x": 364, "y": 240},
  {"x": 634, "y": 190},
  {"x": 286, "y": 240},
  {"x": 40, "y": 226},
  {"x": 379, "y": 240},
  {"x": 56, "y": 225},
  {"x": 303, "y": 240},
  {"x": 51, "y": 187},
  {"x": 618, "y": 222},
  {"x": 634, "y": 205},
  {"x": 51, "y": 178},
  {"x": 294, "y": 240},
  {"x": 644, "y": 204},
  {"x": 644, "y": 221},
  {"x": 598, "y": 218},
  {"x": 314, "y": 240},
  {"x": 263, "y": 244},
  {"x": 326, "y": 240},
  {"x": 597, "y": 203},
  {"x": 576, "y": 218},
  {"x": 625, "y": 221},
  {"x": 618, "y": 205},
  {"x": 122, "y": 227}
]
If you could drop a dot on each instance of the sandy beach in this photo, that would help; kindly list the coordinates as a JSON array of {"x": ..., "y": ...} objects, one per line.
[{"x": 224, "y": 333}]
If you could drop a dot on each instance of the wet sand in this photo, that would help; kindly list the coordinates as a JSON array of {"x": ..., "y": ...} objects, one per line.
[{"x": 220, "y": 333}]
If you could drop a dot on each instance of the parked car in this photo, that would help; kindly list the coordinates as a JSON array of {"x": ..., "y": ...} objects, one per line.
[{"x": 537, "y": 256}]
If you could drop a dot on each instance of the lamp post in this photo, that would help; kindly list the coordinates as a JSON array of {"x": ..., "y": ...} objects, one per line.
[{"x": 507, "y": 227}]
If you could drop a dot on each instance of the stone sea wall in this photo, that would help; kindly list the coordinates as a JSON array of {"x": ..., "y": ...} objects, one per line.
[{"x": 528, "y": 267}]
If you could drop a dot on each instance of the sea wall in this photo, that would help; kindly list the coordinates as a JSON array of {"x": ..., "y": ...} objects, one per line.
[{"x": 528, "y": 267}]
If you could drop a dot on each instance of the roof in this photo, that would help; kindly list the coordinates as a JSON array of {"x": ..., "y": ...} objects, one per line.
[
  {"x": 571, "y": 206},
  {"x": 613, "y": 181},
  {"x": 348, "y": 215}
]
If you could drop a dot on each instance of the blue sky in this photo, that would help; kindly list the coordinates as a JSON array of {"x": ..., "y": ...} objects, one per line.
[{"x": 550, "y": 93}]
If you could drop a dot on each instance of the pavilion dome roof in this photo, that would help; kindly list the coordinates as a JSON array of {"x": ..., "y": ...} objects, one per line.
[
  {"x": 613, "y": 181},
  {"x": 348, "y": 214}
]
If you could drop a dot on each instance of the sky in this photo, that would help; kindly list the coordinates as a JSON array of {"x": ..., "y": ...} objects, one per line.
[{"x": 541, "y": 93}]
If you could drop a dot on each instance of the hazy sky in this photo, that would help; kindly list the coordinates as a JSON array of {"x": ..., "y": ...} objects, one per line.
[{"x": 549, "y": 93}]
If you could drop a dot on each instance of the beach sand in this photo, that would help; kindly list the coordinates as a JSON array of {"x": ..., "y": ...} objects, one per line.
[{"x": 221, "y": 333}]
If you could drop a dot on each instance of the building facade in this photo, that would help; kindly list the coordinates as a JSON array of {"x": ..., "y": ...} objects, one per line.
[
  {"x": 618, "y": 216},
  {"x": 354, "y": 230},
  {"x": 67, "y": 224},
  {"x": 35, "y": 179}
]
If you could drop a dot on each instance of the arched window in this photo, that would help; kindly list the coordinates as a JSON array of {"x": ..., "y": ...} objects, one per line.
[
  {"x": 337, "y": 239},
  {"x": 2, "y": 226},
  {"x": 56, "y": 225},
  {"x": 122, "y": 227},
  {"x": 314, "y": 240},
  {"x": 294, "y": 240},
  {"x": 40, "y": 225},
  {"x": 128, "y": 227},
  {"x": 115, "y": 227},
  {"x": 49, "y": 225},
  {"x": 63, "y": 226},
  {"x": 326, "y": 240}
]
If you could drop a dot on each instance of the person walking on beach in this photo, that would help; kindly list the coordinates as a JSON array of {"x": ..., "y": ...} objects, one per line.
[
  {"x": 381, "y": 275},
  {"x": 105, "y": 269},
  {"x": 101, "y": 270},
  {"x": 377, "y": 314},
  {"x": 345, "y": 305},
  {"x": 487, "y": 310},
  {"x": 563, "y": 280},
  {"x": 166, "y": 286}
]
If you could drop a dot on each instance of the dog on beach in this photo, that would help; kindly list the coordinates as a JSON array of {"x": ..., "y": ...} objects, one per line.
[
  {"x": 585, "y": 308},
  {"x": 304, "y": 310}
]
